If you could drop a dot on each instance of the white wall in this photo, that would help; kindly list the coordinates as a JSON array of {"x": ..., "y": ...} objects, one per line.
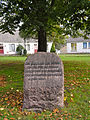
[
  {"x": 68, "y": 47},
  {"x": 80, "y": 48},
  {"x": 32, "y": 47},
  {"x": 49, "y": 45},
  {"x": 6, "y": 48}
]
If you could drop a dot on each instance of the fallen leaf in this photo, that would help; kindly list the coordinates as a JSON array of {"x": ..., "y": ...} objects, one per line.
[
  {"x": 65, "y": 98},
  {"x": 50, "y": 115},
  {"x": 5, "y": 119},
  {"x": 6, "y": 98},
  {"x": 55, "y": 110},
  {"x": 65, "y": 111},
  {"x": 1, "y": 109},
  {"x": 17, "y": 90},
  {"x": 19, "y": 118},
  {"x": 12, "y": 118},
  {"x": 11, "y": 88},
  {"x": 71, "y": 99},
  {"x": 80, "y": 116},
  {"x": 71, "y": 95}
]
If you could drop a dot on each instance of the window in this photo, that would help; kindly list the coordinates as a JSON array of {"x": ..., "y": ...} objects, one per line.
[
  {"x": 12, "y": 47},
  {"x": 85, "y": 45},
  {"x": 35, "y": 45},
  {"x": 28, "y": 47},
  {"x": 1, "y": 49},
  {"x": 73, "y": 46},
  {"x": 1, "y": 46},
  {"x": 89, "y": 45}
]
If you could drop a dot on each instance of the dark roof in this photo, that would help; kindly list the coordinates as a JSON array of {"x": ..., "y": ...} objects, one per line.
[
  {"x": 79, "y": 39},
  {"x": 9, "y": 38}
]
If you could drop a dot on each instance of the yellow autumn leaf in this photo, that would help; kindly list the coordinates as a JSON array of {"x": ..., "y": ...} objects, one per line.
[
  {"x": 71, "y": 99},
  {"x": 17, "y": 102},
  {"x": 17, "y": 90},
  {"x": 1, "y": 109},
  {"x": 65, "y": 98},
  {"x": 6, "y": 98}
]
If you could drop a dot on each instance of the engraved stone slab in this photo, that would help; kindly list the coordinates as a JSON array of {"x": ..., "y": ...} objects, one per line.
[{"x": 43, "y": 82}]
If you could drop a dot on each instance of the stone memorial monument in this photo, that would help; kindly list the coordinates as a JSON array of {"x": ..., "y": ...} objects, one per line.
[{"x": 43, "y": 82}]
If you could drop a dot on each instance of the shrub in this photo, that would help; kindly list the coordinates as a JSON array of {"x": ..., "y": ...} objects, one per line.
[
  {"x": 20, "y": 49},
  {"x": 24, "y": 51},
  {"x": 53, "y": 48}
]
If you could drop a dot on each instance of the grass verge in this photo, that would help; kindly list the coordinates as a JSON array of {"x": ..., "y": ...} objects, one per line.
[{"x": 76, "y": 93}]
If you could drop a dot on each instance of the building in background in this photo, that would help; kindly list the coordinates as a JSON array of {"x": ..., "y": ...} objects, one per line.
[
  {"x": 78, "y": 45},
  {"x": 9, "y": 44}
]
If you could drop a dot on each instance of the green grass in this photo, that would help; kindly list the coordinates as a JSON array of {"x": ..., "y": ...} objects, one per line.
[
  {"x": 12, "y": 58},
  {"x": 76, "y": 83},
  {"x": 75, "y": 57}
]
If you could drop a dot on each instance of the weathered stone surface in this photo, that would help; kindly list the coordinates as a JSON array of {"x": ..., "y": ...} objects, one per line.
[{"x": 43, "y": 82}]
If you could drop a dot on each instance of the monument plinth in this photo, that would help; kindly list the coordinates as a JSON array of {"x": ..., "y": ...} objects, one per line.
[{"x": 43, "y": 82}]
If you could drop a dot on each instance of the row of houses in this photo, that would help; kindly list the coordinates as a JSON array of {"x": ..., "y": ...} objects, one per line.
[{"x": 9, "y": 43}]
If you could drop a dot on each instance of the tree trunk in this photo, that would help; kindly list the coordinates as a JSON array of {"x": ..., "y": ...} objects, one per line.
[{"x": 42, "y": 42}]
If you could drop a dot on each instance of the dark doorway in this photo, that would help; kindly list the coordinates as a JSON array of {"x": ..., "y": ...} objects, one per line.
[{"x": 1, "y": 49}]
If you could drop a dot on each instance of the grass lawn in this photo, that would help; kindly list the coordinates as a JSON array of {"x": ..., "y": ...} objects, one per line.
[{"x": 76, "y": 94}]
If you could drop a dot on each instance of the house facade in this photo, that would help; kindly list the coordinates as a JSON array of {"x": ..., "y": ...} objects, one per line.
[
  {"x": 78, "y": 45},
  {"x": 9, "y": 44}
]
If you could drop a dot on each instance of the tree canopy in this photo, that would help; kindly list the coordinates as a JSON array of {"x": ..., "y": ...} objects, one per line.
[{"x": 42, "y": 16}]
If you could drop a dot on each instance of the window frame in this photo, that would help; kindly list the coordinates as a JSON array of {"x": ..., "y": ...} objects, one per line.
[
  {"x": 74, "y": 47},
  {"x": 84, "y": 44},
  {"x": 11, "y": 49},
  {"x": 89, "y": 45},
  {"x": 1, "y": 46},
  {"x": 28, "y": 47}
]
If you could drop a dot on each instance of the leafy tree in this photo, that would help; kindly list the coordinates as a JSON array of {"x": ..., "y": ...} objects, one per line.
[
  {"x": 53, "y": 48},
  {"x": 57, "y": 37},
  {"x": 41, "y": 16}
]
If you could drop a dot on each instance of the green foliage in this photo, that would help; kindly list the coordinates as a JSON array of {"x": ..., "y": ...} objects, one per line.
[
  {"x": 19, "y": 49},
  {"x": 24, "y": 51},
  {"x": 53, "y": 48},
  {"x": 73, "y": 15},
  {"x": 24, "y": 34},
  {"x": 57, "y": 37}
]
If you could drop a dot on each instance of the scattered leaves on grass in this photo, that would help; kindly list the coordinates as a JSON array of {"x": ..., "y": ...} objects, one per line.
[
  {"x": 2, "y": 81},
  {"x": 12, "y": 100},
  {"x": 11, "y": 104},
  {"x": 5, "y": 119}
]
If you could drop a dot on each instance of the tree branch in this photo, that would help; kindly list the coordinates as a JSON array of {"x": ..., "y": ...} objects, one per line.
[{"x": 52, "y": 3}]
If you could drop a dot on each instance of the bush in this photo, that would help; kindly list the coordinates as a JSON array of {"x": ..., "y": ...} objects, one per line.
[
  {"x": 53, "y": 48},
  {"x": 20, "y": 49},
  {"x": 24, "y": 51}
]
